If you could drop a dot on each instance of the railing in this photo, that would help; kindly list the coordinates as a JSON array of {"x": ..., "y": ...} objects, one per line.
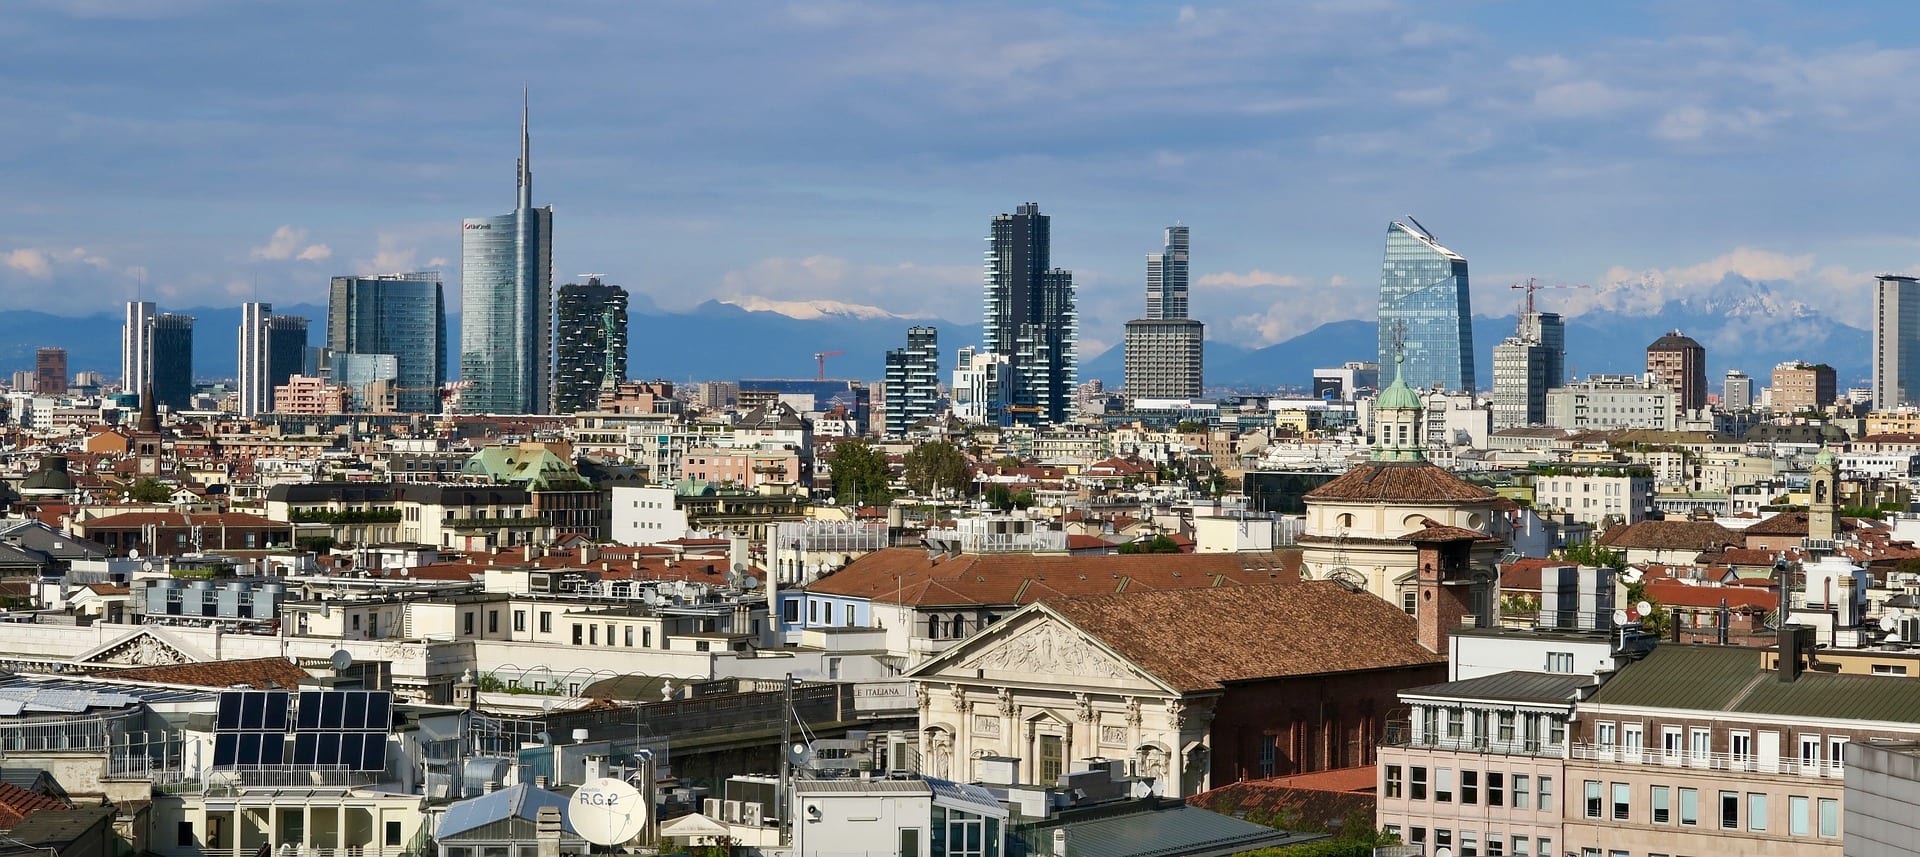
[
  {"x": 1399, "y": 735},
  {"x": 1744, "y": 763}
]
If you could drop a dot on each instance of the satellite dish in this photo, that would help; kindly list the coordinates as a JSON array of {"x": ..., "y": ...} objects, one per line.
[
  {"x": 134, "y": 553},
  {"x": 799, "y": 755},
  {"x": 607, "y": 811},
  {"x": 1644, "y": 608},
  {"x": 1619, "y": 617},
  {"x": 1888, "y": 623},
  {"x": 1443, "y": 851},
  {"x": 341, "y": 660}
]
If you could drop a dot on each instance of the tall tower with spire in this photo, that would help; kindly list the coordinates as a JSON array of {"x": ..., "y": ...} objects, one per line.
[{"x": 506, "y": 301}]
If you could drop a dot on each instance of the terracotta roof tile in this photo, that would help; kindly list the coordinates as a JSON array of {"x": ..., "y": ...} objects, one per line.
[
  {"x": 1252, "y": 632},
  {"x": 1396, "y": 481},
  {"x": 1672, "y": 535},
  {"x": 17, "y": 803},
  {"x": 906, "y": 575}
]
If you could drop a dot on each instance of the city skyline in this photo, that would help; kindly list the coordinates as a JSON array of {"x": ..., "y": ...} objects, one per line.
[{"x": 1633, "y": 123}]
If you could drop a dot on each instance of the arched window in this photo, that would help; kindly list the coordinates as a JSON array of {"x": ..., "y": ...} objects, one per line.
[{"x": 933, "y": 627}]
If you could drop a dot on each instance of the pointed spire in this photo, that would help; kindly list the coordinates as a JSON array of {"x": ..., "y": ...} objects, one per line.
[{"x": 525, "y": 177}]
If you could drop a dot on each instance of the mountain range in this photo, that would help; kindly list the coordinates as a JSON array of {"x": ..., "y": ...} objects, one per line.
[{"x": 1752, "y": 330}]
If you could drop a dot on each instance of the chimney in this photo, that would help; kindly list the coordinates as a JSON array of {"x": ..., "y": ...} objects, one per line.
[
  {"x": 1796, "y": 642},
  {"x": 738, "y": 554},
  {"x": 546, "y": 832}
]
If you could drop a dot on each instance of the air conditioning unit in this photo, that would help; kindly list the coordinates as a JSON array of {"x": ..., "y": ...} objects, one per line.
[
  {"x": 731, "y": 814},
  {"x": 711, "y": 808},
  {"x": 750, "y": 814}
]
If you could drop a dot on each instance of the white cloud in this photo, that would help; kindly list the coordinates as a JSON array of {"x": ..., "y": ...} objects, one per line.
[
  {"x": 1584, "y": 98},
  {"x": 31, "y": 262},
  {"x": 1251, "y": 279},
  {"x": 287, "y": 242}
]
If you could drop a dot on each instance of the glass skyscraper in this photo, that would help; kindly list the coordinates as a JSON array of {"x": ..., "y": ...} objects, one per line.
[
  {"x": 1896, "y": 341},
  {"x": 1167, "y": 277},
  {"x": 506, "y": 304},
  {"x": 1424, "y": 310},
  {"x": 1030, "y": 315},
  {"x": 273, "y": 348},
  {"x": 170, "y": 341},
  {"x": 1163, "y": 349},
  {"x": 402, "y": 315}
]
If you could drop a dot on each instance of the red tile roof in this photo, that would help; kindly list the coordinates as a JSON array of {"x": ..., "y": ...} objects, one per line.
[
  {"x": 1398, "y": 481},
  {"x": 907, "y": 576},
  {"x": 1251, "y": 632},
  {"x": 1672, "y": 535},
  {"x": 17, "y": 803}
]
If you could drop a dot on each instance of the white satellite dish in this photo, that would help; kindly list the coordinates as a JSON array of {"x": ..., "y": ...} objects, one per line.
[
  {"x": 607, "y": 811},
  {"x": 1619, "y": 617},
  {"x": 133, "y": 553},
  {"x": 799, "y": 755},
  {"x": 1888, "y": 623},
  {"x": 1644, "y": 608},
  {"x": 341, "y": 660}
]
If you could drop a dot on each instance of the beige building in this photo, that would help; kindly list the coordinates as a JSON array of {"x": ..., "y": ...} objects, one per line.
[{"x": 1800, "y": 386}]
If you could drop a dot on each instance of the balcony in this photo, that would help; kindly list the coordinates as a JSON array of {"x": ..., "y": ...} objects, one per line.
[
  {"x": 1401, "y": 735},
  {"x": 1728, "y": 762}
]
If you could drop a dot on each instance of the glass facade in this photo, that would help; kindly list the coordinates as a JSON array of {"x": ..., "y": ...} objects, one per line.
[
  {"x": 506, "y": 304},
  {"x": 1030, "y": 315},
  {"x": 171, "y": 339},
  {"x": 1424, "y": 310},
  {"x": 403, "y": 315},
  {"x": 1896, "y": 342},
  {"x": 1167, "y": 277}
]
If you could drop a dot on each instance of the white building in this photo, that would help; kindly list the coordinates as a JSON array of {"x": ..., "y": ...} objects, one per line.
[
  {"x": 1611, "y": 402},
  {"x": 838, "y": 817},
  {"x": 982, "y": 385},
  {"x": 645, "y": 515},
  {"x": 1595, "y": 496}
]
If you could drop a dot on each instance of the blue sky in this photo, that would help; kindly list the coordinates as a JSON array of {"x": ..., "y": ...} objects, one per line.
[{"x": 848, "y": 151}]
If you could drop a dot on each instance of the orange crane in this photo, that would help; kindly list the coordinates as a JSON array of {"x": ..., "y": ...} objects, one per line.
[
  {"x": 1531, "y": 286},
  {"x": 821, "y": 359}
]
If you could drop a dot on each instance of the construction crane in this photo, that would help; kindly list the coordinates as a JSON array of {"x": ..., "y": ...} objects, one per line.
[
  {"x": 1531, "y": 286},
  {"x": 821, "y": 359}
]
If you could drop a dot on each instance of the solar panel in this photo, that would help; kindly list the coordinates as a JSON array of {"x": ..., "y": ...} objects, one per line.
[
  {"x": 354, "y": 713},
  {"x": 227, "y": 713},
  {"x": 224, "y": 749},
  {"x": 253, "y": 710},
  {"x": 340, "y": 727},
  {"x": 276, "y": 714},
  {"x": 330, "y": 705},
  {"x": 380, "y": 711},
  {"x": 309, "y": 710}
]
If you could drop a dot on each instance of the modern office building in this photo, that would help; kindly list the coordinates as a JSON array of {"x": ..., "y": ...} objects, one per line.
[
  {"x": 1425, "y": 310},
  {"x": 400, "y": 315},
  {"x": 1896, "y": 341},
  {"x": 170, "y": 359},
  {"x": 1167, "y": 277},
  {"x": 982, "y": 387},
  {"x": 273, "y": 348},
  {"x": 1525, "y": 366},
  {"x": 506, "y": 301},
  {"x": 1736, "y": 391},
  {"x": 1163, "y": 358},
  {"x": 591, "y": 351},
  {"x": 136, "y": 357},
  {"x": 1549, "y": 331},
  {"x": 1346, "y": 383},
  {"x": 50, "y": 371},
  {"x": 1678, "y": 362},
  {"x": 1163, "y": 350},
  {"x": 913, "y": 381},
  {"x": 1799, "y": 386},
  {"x": 1030, "y": 315}
]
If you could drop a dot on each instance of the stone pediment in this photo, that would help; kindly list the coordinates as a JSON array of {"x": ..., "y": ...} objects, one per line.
[
  {"x": 142, "y": 648},
  {"x": 1047, "y": 649}
]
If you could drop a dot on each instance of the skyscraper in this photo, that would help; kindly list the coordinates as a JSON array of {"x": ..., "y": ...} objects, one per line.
[
  {"x": 170, "y": 358},
  {"x": 1678, "y": 362},
  {"x": 1163, "y": 350},
  {"x": 1425, "y": 311},
  {"x": 136, "y": 357},
  {"x": 1167, "y": 277},
  {"x": 913, "y": 381},
  {"x": 506, "y": 301},
  {"x": 1030, "y": 315},
  {"x": 273, "y": 348},
  {"x": 592, "y": 344},
  {"x": 1525, "y": 366},
  {"x": 401, "y": 315},
  {"x": 1736, "y": 392},
  {"x": 1896, "y": 341},
  {"x": 50, "y": 371}
]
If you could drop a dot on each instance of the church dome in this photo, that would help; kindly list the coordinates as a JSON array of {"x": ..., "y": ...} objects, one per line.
[{"x": 1397, "y": 396}]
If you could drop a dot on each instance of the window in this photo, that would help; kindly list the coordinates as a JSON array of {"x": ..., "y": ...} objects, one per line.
[
  {"x": 1456, "y": 724},
  {"x": 1469, "y": 844},
  {"x": 1520, "y": 846},
  {"x": 813, "y": 612},
  {"x": 1408, "y": 602},
  {"x": 1506, "y": 726},
  {"x": 790, "y": 610},
  {"x": 1661, "y": 798},
  {"x": 1756, "y": 811},
  {"x": 1889, "y": 669},
  {"x": 1836, "y": 751},
  {"x": 1559, "y": 662},
  {"x": 1269, "y": 755},
  {"x": 493, "y": 621},
  {"x": 1418, "y": 781},
  {"x": 393, "y": 833},
  {"x": 1417, "y": 836},
  {"x": 1443, "y": 785},
  {"x": 1622, "y": 796},
  {"x": 1829, "y": 817},
  {"x": 1689, "y": 806},
  {"x": 1521, "y": 784},
  {"x": 579, "y": 636},
  {"x": 1546, "y": 847},
  {"x": 1593, "y": 798},
  {"x": 1495, "y": 848},
  {"x": 466, "y": 622},
  {"x": 629, "y": 636},
  {"x": 1700, "y": 745},
  {"x": 184, "y": 834},
  {"x": 1605, "y": 734},
  {"x": 1469, "y": 787},
  {"x": 1809, "y": 753},
  {"x": 1631, "y": 741},
  {"x": 593, "y": 635},
  {"x": 1797, "y": 816},
  {"x": 1393, "y": 781},
  {"x": 519, "y": 621},
  {"x": 546, "y": 622},
  {"x": 1556, "y": 731},
  {"x": 1729, "y": 810},
  {"x": 1496, "y": 789},
  {"x": 1442, "y": 838},
  {"x": 1546, "y": 794},
  {"x": 1670, "y": 747},
  {"x": 1740, "y": 747},
  {"x": 849, "y": 622}
]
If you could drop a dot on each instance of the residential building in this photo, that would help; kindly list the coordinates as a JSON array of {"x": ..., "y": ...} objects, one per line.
[
  {"x": 50, "y": 371},
  {"x": 717, "y": 395},
  {"x": 904, "y": 812},
  {"x": 1896, "y": 341},
  {"x": 1613, "y": 402},
  {"x": 170, "y": 359},
  {"x": 180, "y": 533},
  {"x": 1031, "y": 315},
  {"x": 1881, "y": 809},
  {"x": 1425, "y": 310},
  {"x": 643, "y": 515},
  {"x": 402, "y": 316},
  {"x": 591, "y": 352},
  {"x": 1594, "y": 495},
  {"x": 506, "y": 299},
  {"x": 913, "y": 381},
  {"x": 1736, "y": 391},
  {"x": 305, "y": 395},
  {"x": 136, "y": 353},
  {"x": 1679, "y": 363},
  {"x": 273, "y": 348},
  {"x": 982, "y": 386},
  {"x": 1164, "y": 358},
  {"x": 1799, "y": 387}
]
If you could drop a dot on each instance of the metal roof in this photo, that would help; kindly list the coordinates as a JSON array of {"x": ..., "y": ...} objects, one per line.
[
  {"x": 519, "y": 801},
  {"x": 1183, "y": 830},
  {"x": 1730, "y": 679},
  {"x": 1513, "y": 686},
  {"x": 12, "y": 683}
]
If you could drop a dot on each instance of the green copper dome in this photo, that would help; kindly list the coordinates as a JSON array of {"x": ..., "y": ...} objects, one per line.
[
  {"x": 1825, "y": 456},
  {"x": 1397, "y": 396}
]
